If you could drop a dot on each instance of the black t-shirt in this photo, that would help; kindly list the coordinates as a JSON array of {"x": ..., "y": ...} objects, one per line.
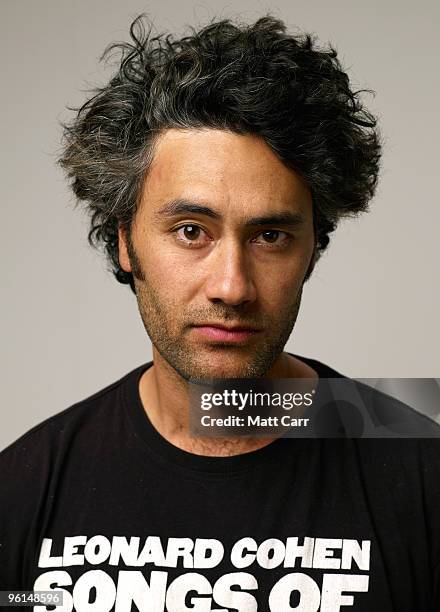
[{"x": 96, "y": 502}]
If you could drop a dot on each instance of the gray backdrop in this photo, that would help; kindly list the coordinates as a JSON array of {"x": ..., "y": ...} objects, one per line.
[{"x": 371, "y": 307}]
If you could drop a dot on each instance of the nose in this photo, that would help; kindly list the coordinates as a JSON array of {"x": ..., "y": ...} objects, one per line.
[{"x": 229, "y": 278}]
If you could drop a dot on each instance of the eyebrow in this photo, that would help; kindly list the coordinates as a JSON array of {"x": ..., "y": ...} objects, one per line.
[{"x": 179, "y": 206}]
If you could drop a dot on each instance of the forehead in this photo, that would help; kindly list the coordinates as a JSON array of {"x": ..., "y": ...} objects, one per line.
[{"x": 236, "y": 173}]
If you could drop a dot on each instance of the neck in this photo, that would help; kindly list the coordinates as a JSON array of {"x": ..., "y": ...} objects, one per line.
[{"x": 164, "y": 396}]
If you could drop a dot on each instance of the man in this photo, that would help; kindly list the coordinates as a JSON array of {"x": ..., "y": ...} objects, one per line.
[{"x": 214, "y": 167}]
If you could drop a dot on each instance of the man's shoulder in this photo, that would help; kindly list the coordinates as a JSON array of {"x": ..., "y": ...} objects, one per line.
[
  {"x": 59, "y": 428},
  {"x": 395, "y": 416},
  {"x": 371, "y": 412},
  {"x": 42, "y": 465}
]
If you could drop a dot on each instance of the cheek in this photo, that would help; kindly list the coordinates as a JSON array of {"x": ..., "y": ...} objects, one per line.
[
  {"x": 283, "y": 282},
  {"x": 176, "y": 271},
  {"x": 152, "y": 254},
  {"x": 169, "y": 275},
  {"x": 280, "y": 293}
]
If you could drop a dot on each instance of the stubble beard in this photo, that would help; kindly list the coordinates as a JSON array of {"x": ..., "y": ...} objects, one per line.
[
  {"x": 182, "y": 356},
  {"x": 169, "y": 337}
]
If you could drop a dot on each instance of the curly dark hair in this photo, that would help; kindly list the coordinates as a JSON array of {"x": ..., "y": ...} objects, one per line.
[{"x": 248, "y": 79}]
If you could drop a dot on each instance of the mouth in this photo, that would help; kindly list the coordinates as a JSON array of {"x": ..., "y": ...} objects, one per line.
[{"x": 225, "y": 333}]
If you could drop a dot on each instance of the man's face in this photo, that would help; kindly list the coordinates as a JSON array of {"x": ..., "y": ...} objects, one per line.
[{"x": 220, "y": 245}]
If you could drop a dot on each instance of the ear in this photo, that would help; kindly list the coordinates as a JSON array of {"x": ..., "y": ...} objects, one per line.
[{"x": 124, "y": 260}]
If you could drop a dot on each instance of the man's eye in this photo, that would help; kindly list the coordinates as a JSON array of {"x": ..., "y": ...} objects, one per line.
[
  {"x": 191, "y": 234},
  {"x": 275, "y": 237}
]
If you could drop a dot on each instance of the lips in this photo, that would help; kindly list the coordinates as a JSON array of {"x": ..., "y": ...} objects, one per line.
[{"x": 225, "y": 333}]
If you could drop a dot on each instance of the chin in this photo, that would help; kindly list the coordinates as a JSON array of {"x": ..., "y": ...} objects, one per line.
[
  {"x": 226, "y": 368},
  {"x": 194, "y": 364}
]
